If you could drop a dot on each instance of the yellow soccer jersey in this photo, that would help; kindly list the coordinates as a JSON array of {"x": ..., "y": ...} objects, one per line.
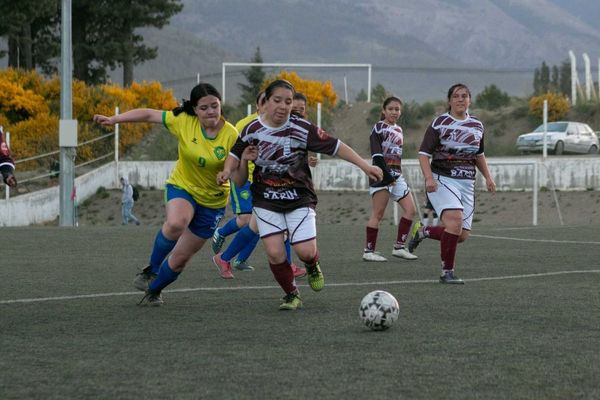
[
  {"x": 239, "y": 126},
  {"x": 200, "y": 158}
]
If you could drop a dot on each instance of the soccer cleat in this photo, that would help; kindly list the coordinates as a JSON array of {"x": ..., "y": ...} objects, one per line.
[
  {"x": 403, "y": 253},
  {"x": 242, "y": 265},
  {"x": 143, "y": 279},
  {"x": 151, "y": 299},
  {"x": 217, "y": 241},
  {"x": 373, "y": 256},
  {"x": 224, "y": 266},
  {"x": 291, "y": 301},
  {"x": 315, "y": 277},
  {"x": 299, "y": 272},
  {"x": 450, "y": 278},
  {"x": 416, "y": 236}
]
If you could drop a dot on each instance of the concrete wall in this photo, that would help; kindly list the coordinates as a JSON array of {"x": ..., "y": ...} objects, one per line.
[{"x": 568, "y": 173}]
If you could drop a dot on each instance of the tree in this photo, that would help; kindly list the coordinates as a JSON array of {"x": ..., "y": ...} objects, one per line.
[
  {"x": 491, "y": 98},
  {"x": 554, "y": 81},
  {"x": 135, "y": 14},
  {"x": 255, "y": 77},
  {"x": 30, "y": 32},
  {"x": 564, "y": 85},
  {"x": 544, "y": 78},
  {"x": 378, "y": 93}
]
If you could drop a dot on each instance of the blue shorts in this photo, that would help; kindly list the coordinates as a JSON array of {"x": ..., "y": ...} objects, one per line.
[
  {"x": 205, "y": 220},
  {"x": 241, "y": 198}
]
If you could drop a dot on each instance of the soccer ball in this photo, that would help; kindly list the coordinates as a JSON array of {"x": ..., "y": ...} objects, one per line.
[{"x": 379, "y": 310}]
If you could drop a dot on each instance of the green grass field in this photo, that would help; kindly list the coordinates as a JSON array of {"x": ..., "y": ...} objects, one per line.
[{"x": 526, "y": 325}]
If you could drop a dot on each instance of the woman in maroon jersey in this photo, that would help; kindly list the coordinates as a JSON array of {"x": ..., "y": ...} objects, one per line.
[
  {"x": 283, "y": 195},
  {"x": 450, "y": 154},
  {"x": 7, "y": 165},
  {"x": 386, "y": 151}
]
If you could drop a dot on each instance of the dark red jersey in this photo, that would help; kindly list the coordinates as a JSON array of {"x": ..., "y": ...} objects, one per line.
[
  {"x": 453, "y": 146},
  {"x": 282, "y": 180},
  {"x": 6, "y": 160},
  {"x": 386, "y": 141}
]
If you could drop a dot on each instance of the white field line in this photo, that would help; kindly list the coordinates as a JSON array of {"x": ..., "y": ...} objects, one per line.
[
  {"x": 534, "y": 240},
  {"x": 344, "y": 284}
]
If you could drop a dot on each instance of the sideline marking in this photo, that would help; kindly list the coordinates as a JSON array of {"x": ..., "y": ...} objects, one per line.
[
  {"x": 212, "y": 289},
  {"x": 533, "y": 240}
]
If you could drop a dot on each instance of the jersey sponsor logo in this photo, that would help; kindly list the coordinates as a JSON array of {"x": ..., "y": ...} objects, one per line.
[
  {"x": 220, "y": 152},
  {"x": 462, "y": 173},
  {"x": 289, "y": 194}
]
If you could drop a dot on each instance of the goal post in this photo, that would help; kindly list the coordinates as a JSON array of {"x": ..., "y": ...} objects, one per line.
[{"x": 368, "y": 67}]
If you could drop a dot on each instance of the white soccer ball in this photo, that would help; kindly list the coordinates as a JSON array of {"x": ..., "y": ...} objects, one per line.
[{"x": 379, "y": 310}]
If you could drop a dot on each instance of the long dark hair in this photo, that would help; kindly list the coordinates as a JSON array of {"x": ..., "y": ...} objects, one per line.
[
  {"x": 199, "y": 91},
  {"x": 385, "y": 104},
  {"x": 453, "y": 88},
  {"x": 279, "y": 83}
]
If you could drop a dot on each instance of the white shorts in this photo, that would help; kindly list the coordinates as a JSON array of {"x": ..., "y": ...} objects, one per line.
[
  {"x": 454, "y": 194},
  {"x": 300, "y": 224},
  {"x": 398, "y": 190}
]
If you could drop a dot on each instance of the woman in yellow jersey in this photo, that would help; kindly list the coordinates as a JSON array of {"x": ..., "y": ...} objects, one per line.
[{"x": 195, "y": 202}]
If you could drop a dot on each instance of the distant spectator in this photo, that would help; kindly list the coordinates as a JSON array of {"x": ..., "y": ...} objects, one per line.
[
  {"x": 7, "y": 165},
  {"x": 127, "y": 202},
  {"x": 54, "y": 169}
]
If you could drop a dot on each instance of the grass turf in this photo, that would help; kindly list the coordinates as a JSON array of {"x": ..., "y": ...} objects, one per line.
[{"x": 502, "y": 335}]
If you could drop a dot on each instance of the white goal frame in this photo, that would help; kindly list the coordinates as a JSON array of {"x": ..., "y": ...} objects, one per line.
[{"x": 298, "y": 65}]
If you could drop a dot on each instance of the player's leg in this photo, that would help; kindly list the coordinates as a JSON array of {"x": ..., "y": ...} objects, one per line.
[
  {"x": 379, "y": 201},
  {"x": 302, "y": 230},
  {"x": 179, "y": 214},
  {"x": 271, "y": 226},
  {"x": 401, "y": 194},
  {"x": 452, "y": 220},
  {"x": 241, "y": 204}
]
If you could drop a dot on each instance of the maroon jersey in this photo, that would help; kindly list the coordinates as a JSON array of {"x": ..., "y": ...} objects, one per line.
[
  {"x": 386, "y": 141},
  {"x": 453, "y": 146},
  {"x": 282, "y": 180},
  {"x": 6, "y": 161}
]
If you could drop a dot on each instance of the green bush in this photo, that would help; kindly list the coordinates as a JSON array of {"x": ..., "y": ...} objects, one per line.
[{"x": 492, "y": 98}]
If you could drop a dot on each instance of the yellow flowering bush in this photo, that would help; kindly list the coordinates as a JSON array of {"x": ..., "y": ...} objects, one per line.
[
  {"x": 30, "y": 110},
  {"x": 558, "y": 106},
  {"x": 315, "y": 91}
]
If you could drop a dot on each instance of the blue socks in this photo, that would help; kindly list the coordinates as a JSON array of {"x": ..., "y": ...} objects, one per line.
[
  {"x": 162, "y": 248},
  {"x": 244, "y": 239},
  {"x": 165, "y": 277},
  {"x": 229, "y": 228},
  {"x": 247, "y": 251}
]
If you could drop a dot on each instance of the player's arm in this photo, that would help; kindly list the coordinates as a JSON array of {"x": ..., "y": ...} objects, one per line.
[
  {"x": 345, "y": 152},
  {"x": 135, "y": 115},
  {"x": 430, "y": 183},
  {"x": 482, "y": 166}
]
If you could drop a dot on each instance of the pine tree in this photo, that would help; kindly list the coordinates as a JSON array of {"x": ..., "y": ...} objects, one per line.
[
  {"x": 255, "y": 77},
  {"x": 544, "y": 78},
  {"x": 564, "y": 85}
]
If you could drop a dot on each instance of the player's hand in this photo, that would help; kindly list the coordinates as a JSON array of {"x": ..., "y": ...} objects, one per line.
[
  {"x": 223, "y": 177},
  {"x": 430, "y": 185},
  {"x": 312, "y": 161},
  {"x": 103, "y": 120},
  {"x": 375, "y": 173},
  {"x": 11, "y": 181},
  {"x": 491, "y": 185},
  {"x": 250, "y": 153}
]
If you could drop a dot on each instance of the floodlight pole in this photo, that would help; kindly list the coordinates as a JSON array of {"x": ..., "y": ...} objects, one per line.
[
  {"x": 545, "y": 117},
  {"x": 573, "y": 77},
  {"x": 67, "y": 135},
  {"x": 588, "y": 76}
]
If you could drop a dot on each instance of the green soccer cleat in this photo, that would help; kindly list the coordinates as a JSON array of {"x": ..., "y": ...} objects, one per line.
[
  {"x": 242, "y": 265},
  {"x": 415, "y": 236},
  {"x": 291, "y": 301},
  {"x": 315, "y": 277}
]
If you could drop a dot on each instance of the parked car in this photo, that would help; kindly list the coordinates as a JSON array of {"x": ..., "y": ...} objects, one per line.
[{"x": 562, "y": 137}]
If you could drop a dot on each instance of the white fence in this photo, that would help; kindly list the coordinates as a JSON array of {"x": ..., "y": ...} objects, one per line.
[{"x": 510, "y": 174}]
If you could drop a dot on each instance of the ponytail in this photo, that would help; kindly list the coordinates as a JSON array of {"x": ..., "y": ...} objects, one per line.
[{"x": 186, "y": 107}]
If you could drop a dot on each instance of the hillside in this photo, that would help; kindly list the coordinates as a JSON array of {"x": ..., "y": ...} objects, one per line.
[{"x": 416, "y": 47}]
